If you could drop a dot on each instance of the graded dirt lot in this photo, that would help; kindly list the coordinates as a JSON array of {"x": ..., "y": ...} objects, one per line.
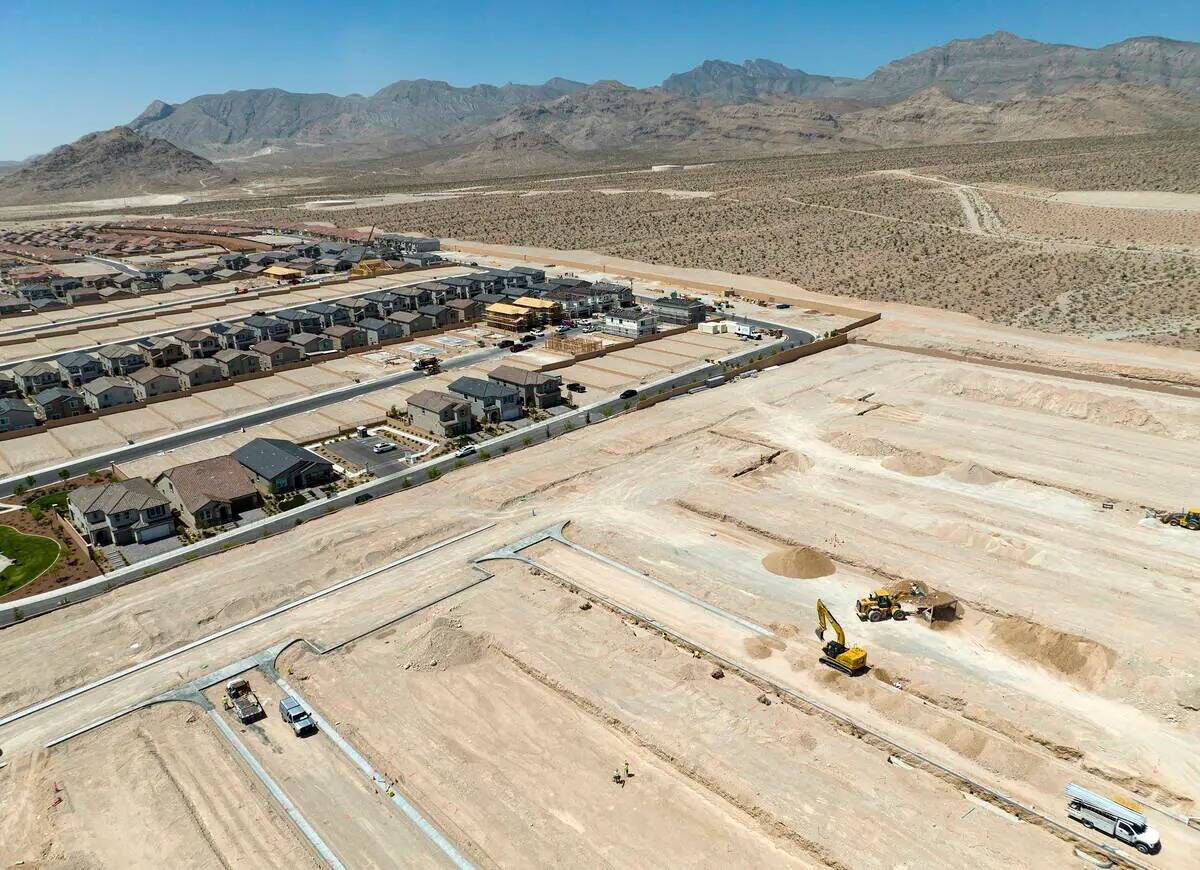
[
  {"x": 501, "y": 707},
  {"x": 89, "y": 803}
]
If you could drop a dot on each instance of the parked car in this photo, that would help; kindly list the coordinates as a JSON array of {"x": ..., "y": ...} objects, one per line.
[
  {"x": 629, "y": 394},
  {"x": 383, "y": 447},
  {"x": 363, "y": 498},
  {"x": 576, "y": 387},
  {"x": 529, "y": 337},
  {"x": 517, "y": 348},
  {"x": 465, "y": 451},
  {"x": 508, "y": 342},
  {"x": 293, "y": 712}
]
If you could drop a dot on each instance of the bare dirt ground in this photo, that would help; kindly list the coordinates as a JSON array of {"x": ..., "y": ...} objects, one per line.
[
  {"x": 516, "y": 671},
  {"x": 503, "y": 711},
  {"x": 157, "y": 789}
]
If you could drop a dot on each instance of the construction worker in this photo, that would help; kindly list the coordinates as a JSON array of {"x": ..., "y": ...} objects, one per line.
[
  {"x": 225, "y": 702},
  {"x": 617, "y": 778},
  {"x": 627, "y": 773}
]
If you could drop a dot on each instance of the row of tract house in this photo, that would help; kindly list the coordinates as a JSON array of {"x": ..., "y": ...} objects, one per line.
[
  {"x": 199, "y": 495},
  {"x": 47, "y": 290},
  {"x": 80, "y": 382},
  {"x": 506, "y": 394}
]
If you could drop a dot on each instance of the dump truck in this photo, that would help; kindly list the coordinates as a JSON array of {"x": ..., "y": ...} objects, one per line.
[
  {"x": 1119, "y": 819},
  {"x": 243, "y": 701}
]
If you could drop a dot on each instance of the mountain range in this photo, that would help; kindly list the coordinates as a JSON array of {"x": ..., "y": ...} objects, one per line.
[
  {"x": 997, "y": 87},
  {"x": 409, "y": 116}
]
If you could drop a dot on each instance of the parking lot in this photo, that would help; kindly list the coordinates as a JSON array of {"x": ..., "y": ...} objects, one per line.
[{"x": 359, "y": 453}]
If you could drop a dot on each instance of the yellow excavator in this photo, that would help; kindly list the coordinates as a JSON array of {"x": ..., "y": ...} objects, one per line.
[
  {"x": 849, "y": 660},
  {"x": 879, "y": 606}
]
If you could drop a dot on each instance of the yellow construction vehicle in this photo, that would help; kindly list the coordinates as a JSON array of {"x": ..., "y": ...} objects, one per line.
[
  {"x": 848, "y": 660},
  {"x": 879, "y": 606},
  {"x": 1188, "y": 519}
]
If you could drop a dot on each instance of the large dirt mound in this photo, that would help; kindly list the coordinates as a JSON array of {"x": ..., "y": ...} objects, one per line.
[
  {"x": 859, "y": 445},
  {"x": 971, "y": 472},
  {"x": 1079, "y": 658},
  {"x": 801, "y": 563},
  {"x": 1095, "y": 406},
  {"x": 914, "y": 464},
  {"x": 445, "y": 644}
]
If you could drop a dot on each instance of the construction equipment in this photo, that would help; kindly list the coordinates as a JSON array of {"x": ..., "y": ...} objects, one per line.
[
  {"x": 879, "y": 606},
  {"x": 1188, "y": 519},
  {"x": 925, "y": 602},
  {"x": 849, "y": 660},
  {"x": 245, "y": 703}
]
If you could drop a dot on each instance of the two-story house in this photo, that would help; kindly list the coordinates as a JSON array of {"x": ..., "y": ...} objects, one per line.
[
  {"x": 199, "y": 343},
  {"x": 489, "y": 400},
  {"x": 126, "y": 512},
  {"x": 330, "y": 315},
  {"x": 194, "y": 373},
  {"x": 78, "y": 368},
  {"x": 154, "y": 381},
  {"x": 235, "y": 363},
  {"x": 121, "y": 359},
  {"x": 36, "y": 376},
  {"x": 273, "y": 354},
  {"x": 16, "y": 414},
  {"x": 440, "y": 414},
  {"x": 108, "y": 392},
  {"x": 537, "y": 389},
  {"x": 162, "y": 351},
  {"x": 58, "y": 403}
]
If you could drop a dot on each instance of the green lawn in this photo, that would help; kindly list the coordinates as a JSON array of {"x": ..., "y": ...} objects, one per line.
[
  {"x": 51, "y": 501},
  {"x": 30, "y": 554}
]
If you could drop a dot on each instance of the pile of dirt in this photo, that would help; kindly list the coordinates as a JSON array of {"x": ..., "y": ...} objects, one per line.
[
  {"x": 801, "y": 563},
  {"x": 860, "y": 445},
  {"x": 1080, "y": 404},
  {"x": 1079, "y": 658},
  {"x": 972, "y": 472},
  {"x": 760, "y": 647},
  {"x": 445, "y": 644},
  {"x": 914, "y": 464}
]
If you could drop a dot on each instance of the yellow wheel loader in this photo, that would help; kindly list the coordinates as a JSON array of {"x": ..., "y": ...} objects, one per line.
[
  {"x": 849, "y": 660},
  {"x": 1188, "y": 519},
  {"x": 879, "y": 606}
]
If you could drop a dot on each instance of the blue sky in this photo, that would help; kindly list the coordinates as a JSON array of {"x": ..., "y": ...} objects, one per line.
[{"x": 69, "y": 67}]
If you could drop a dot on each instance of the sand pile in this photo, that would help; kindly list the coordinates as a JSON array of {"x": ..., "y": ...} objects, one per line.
[
  {"x": 444, "y": 644},
  {"x": 914, "y": 464},
  {"x": 995, "y": 544},
  {"x": 1077, "y": 657},
  {"x": 860, "y": 445},
  {"x": 1080, "y": 404},
  {"x": 801, "y": 563},
  {"x": 972, "y": 472}
]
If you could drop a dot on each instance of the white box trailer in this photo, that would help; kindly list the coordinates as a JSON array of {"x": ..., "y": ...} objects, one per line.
[{"x": 1113, "y": 818}]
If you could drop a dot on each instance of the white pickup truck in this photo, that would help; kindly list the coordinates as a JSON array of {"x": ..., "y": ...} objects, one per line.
[{"x": 1119, "y": 820}]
